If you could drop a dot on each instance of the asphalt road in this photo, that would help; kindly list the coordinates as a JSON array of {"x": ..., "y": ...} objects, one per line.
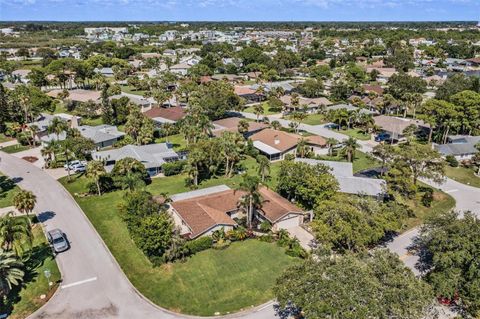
[{"x": 93, "y": 284}]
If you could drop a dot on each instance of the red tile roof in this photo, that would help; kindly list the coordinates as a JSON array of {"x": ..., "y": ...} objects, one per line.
[{"x": 172, "y": 113}]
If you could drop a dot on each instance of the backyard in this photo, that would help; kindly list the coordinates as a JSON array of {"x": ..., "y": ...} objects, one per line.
[
  {"x": 213, "y": 281},
  {"x": 131, "y": 90},
  {"x": 266, "y": 110},
  {"x": 463, "y": 175},
  {"x": 25, "y": 299}
]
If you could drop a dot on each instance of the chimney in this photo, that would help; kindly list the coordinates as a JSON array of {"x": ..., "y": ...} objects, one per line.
[{"x": 276, "y": 140}]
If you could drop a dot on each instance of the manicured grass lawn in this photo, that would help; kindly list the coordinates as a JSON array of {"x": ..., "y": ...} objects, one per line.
[
  {"x": 212, "y": 281},
  {"x": 361, "y": 162},
  {"x": 463, "y": 175},
  {"x": 177, "y": 140},
  {"x": 442, "y": 202},
  {"x": 8, "y": 189},
  {"x": 14, "y": 148},
  {"x": 312, "y": 119},
  {"x": 355, "y": 133},
  {"x": 24, "y": 300},
  {"x": 93, "y": 121},
  {"x": 266, "y": 110},
  {"x": 131, "y": 90},
  {"x": 4, "y": 138},
  {"x": 60, "y": 108}
]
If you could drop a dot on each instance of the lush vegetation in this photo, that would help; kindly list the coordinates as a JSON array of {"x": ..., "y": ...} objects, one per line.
[{"x": 8, "y": 189}]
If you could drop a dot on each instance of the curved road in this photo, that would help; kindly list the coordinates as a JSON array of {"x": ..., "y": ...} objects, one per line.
[{"x": 93, "y": 284}]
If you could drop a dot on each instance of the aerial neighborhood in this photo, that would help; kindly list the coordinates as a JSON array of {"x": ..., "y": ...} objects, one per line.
[{"x": 290, "y": 170}]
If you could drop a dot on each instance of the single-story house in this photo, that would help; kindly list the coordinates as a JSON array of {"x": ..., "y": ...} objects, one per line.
[
  {"x": 348, "y": 183},
  {"x": 394, "y": 126},
  {"x": 135, "y": 99},
  {"x": 161, "y": 115},
  {"x": 152, "y": 156},
  {"x": 201, "y": 212},
  {"x": 276, "y": 144},
  {"x": 231, "y": 124},
  {"x": 108, "y": 72},
  {"x": 285, "y": 85},
  {"x": 462, "y": 147},
  {"x": 181, "y": 68},
  {"x": 79, "y": 95},
  {"x": 102, "y": 135},
  {"x": 349, "y": 108},
  {"x": 312, "y": 104},
  {"x": 44, "y": 120},
  {"x": 248, "y": 93}
]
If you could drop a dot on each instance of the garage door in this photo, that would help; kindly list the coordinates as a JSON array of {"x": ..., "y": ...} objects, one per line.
[{"x": 289, "y": 223}]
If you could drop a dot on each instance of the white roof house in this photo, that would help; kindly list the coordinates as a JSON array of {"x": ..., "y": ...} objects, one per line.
[
  {"x": 101, "y": 135},
  {"x": 348, "y": 183},
  {"x": 152, "y": 156}
]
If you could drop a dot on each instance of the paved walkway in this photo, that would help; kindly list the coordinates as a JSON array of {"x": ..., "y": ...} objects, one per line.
[
  {"x": 303, "y": 236},
  {"x": 93, "y": 284},
  {"x": 8, "y": 143}
]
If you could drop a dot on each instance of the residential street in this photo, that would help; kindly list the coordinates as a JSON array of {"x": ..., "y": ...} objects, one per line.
[{"x": 93, "y": 284}]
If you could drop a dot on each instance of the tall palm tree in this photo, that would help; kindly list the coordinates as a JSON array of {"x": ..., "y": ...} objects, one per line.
[
  {"x": 33, "y": 131},
  {"x": 57, "y": 126},
  {"x": 24, "y": 201},
  {"x": 252, "y": 199},
  {"x": 48, "y": 152},
  {"x": 350, "y": 146},
  {"x": 96, "y": 170},
  {"x": 11, "y": 273},
  {"x": 331, "y": 142},
  {"x": 303, "y": 149},
  {"x": 263, "y": 167},
  {"x": 258, "y": 110},
  {"x": 63, "y": 148},
  {"x": 243, "y": 126},
  {"x": 15, "y": 233}
]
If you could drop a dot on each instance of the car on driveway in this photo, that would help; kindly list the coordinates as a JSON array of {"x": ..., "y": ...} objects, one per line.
[
  {"x": 79, "y": 168},
  {"x": 58, "y": 240},
  {"x": 74, "y": 164}
]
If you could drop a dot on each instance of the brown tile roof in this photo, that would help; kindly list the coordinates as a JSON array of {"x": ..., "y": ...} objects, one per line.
[
  {"x": 373, "y": 88},
  {"x": 280, "y": 140},
  {"x": 78, "y": 95},
  {"x": 310, "y": 102},
  {"x": 316, "y": 140},
  {"x": 204, "y": 212},
  {"x": 172, "y": 113},
  {"x": 231, "y": 124},
  {"x": 396, "y": 124},
  {"x": 243, "y": 90}
]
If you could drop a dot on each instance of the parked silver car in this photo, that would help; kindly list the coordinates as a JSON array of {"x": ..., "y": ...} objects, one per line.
[{"x": 58, "y": 240}]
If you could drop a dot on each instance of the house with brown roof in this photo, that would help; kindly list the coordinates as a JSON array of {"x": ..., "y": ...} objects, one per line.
[
  {"x": 276, "y": 144},
  {"x": 231, "y": 124},
  {"x": 393, "y": 127},
  {"x": 248, "y": 93},
  {"x": 312, "y": 105},
  {"x": 201, "y": 212},
  {"x": 162, "y": 115}
]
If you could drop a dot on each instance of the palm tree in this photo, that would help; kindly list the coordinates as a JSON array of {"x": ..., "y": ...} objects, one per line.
[
  {"x": 252, "y": 199},
  {"x": 263, "y": 167},
  {"x": 11, "y": 273},
  {"x": 15, "y": 233},
  {"x": 48, "y": 152},
  {"x": 303, "y": 149},
  {"x": 24, "y": 201},
  {"x": 258, "y": 110},
  {"x": 331, "y": 142},
  {"x": 350, "y": 146},
  {"x": 243, "y": 126},
  {"x": 63, "y": 148},
  {"x": 96, "y": 170},
  {"x": 33, "y": 131},
  {"x": 57, "y": 126}
]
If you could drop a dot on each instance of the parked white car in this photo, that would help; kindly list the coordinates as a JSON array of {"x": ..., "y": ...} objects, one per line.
[
  {"x": 79, "y": 168},
  {"x": 74, "y": 164}
]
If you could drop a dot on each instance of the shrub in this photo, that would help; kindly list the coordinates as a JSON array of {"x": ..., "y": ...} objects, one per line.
[
  {"x": 222, "y": 244},
  {"x": 452, "y": 161},
  {"x": 267, "y": 238},
  {"x": 106, "y": 185},
  {"x": 265, "y": 226},
  {"x": 427, "y": 197},
  {"x": 173, "y": 168},
  {"x": 198, "y": 245}
]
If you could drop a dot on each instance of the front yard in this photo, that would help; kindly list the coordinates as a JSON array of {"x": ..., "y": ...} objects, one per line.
[
  {"x": 212, "y": 281},
  {"x": 8, "y": 189},
  {"x": 266, "y": 110},
  {"x": 463, "y": 175},
  {"x": 25, "y": 299},
  {"x": 14, "y": 148}
]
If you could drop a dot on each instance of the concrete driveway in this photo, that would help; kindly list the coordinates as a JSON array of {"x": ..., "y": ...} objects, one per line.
[
  {"x": 303, "y": 236},
  {"x": 93, "y": 284}
]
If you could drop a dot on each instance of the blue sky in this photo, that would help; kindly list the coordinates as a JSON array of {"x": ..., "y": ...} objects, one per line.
[{"x": 245, "y": 10}]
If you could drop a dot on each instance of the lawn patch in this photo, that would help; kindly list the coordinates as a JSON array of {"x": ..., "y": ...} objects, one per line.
[
  {"x": 15, "y": 148},
  {"x": 463, "y": 175},
  {"x": 8, "y": 189}
]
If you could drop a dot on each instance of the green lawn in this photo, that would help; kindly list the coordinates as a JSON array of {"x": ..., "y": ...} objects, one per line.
[
  {"x": 25, "y": 299},
  {"x": 266, "y": 109},
  {"x": 14, "y": 148},
  {"x": 4, "y": 138},
  {"x": 356, "y": 133},
  {"x": 463, "y": 175},
  {"x": 212, "y": 281},
  {"x": 93, "y": 121},
  {"x": 361, "y": 162},
  {"x": 60, "y": 108},
  {"x": 315, "y": 119},
  {"x": 131, "y": 90},
  {"x": 177, "y": 140},
  {"x": 8, "y": 189}
]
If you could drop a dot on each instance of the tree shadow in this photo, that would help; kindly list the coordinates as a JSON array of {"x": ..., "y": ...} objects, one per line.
[
  {"x": 35, "y": 259},
  {"x": 6, "y": 184},
  {"x": 44, "y": 216}
]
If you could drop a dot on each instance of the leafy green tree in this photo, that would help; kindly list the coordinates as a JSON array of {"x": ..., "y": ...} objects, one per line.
[
  {"x": 306, "y": 184},
  {"x": 15, "y": 233},
  {"x": 311, "y": 88},
  {"x": 402, "y": 83},
  {"x": 11, "y": 271},
  {"x": 349, "y": 148},
  {"x": 352, "y": 286},
  {"x": 346, "y": 223},
  {"x": 453, "y": 85},
  {"x": 57, "y": 126},
  {"x": 243, "y": 126},
  {"x": 451, "y": 259}
]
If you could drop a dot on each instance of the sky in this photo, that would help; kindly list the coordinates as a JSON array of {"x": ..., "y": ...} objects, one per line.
[{"x": 240, "y": 10}]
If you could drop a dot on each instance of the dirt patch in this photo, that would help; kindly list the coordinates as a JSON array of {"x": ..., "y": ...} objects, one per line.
[{"x": 30, "y": 159}]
